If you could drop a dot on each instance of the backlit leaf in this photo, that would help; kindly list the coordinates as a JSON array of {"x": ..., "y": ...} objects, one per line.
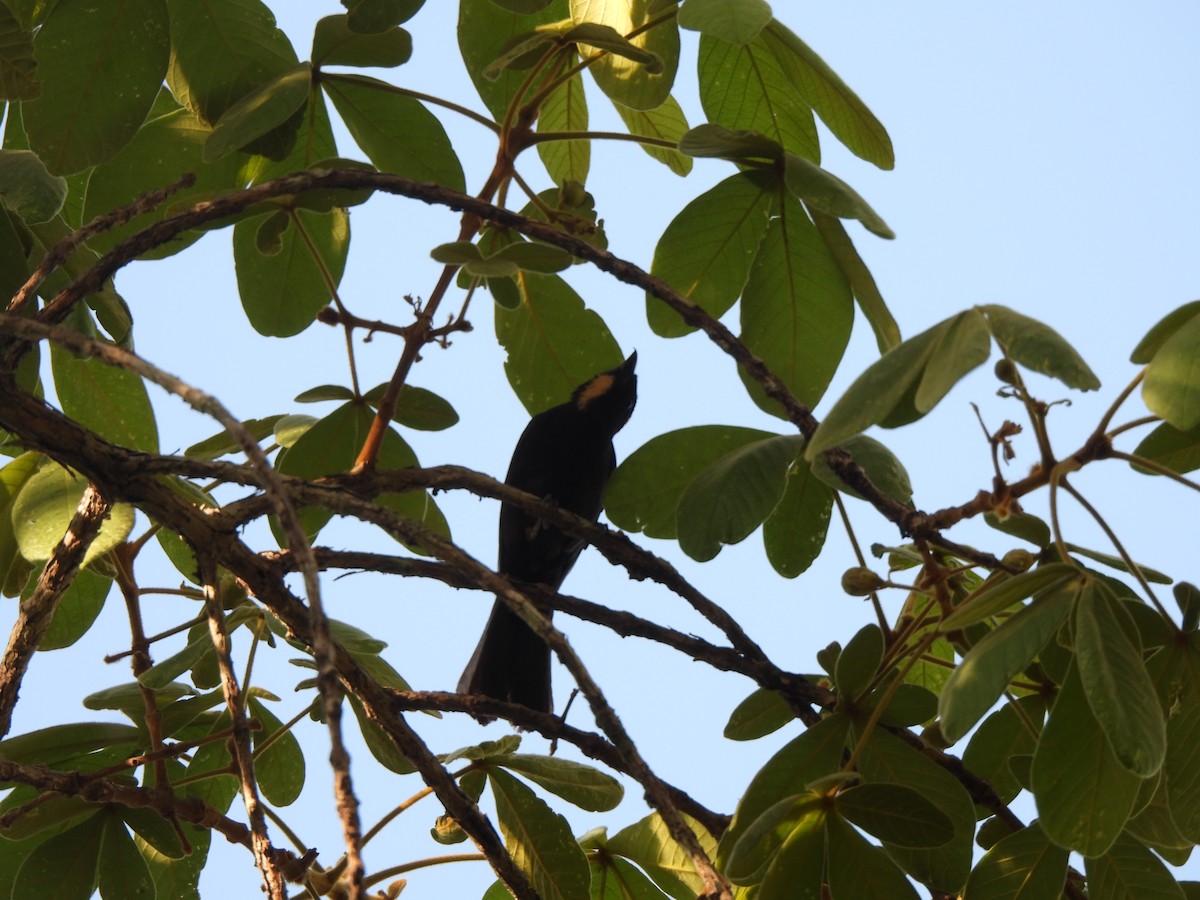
[
  {"x": 539, "y": 840},
  {"x": 100, "y": 64},
  {"x": 644, "y": 492},
  {"x": 1039, "y": 347},
  {"x": 730, "y": 499},
  {"x": 1084, "y": 795},
  {"x": 707, "y": 250},
  {"x": 1025, "y": 865},
  {"x": 996, "y": 659}
]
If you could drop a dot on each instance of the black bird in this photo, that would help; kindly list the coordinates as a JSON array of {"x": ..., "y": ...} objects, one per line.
[{"x": 564, "y": 455}]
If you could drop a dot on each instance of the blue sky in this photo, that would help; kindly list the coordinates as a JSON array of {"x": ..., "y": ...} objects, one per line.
[{"x": 1045, "y": 161}]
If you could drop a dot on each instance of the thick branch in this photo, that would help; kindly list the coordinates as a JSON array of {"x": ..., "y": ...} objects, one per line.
[{"x": 37, "y": 612}]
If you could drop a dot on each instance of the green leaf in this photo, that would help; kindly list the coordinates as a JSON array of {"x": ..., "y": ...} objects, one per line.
[
  {"x": 18, "y": 69},
  {"x": 372, "y": 16},
  {"x": 615, "y": 879},
  {"x": 423, "y": 410},
  {"x": 52, "y": 816},
  {"x": 1023, "y": 525},
  {"x": 178, "y": 878},
  {"x": 747, "y": 88},
  {"x": 554, "y": 342},
  {"x": 1115, "y": 681},
  {"x": 895, "y": 813},
  {"x": 27, "y": 187},
  {"x": 398, "y": 134},
  {"x": 110, "y": 401},
  {"x": 163, "y": 149},
  {"x": 1163, "y": 330},
  {"x": 666, "y": 123},
  {"x": 122, "y": 872},
  {"x": 882, "y": 467},
  {"x": 608, "y": 40},
  {"x": 857, "y": 868},
  {"x": 1155, "y": 826},
  {"x": 879, "y": 392},
  {"x": 565, "y": 110},
  {"x": 866, "y": 291},
  {"x": 1003, "y": 735},
  {"x": 279, "y": 766},
  {"x": 825, "y": 192},
  {"x": 155, "y": 830},
  {"x": 996, "y": 659},
  {"x": 859, "y": 661},
  {"x": 707, "y": 250},
  {"x": 379, "y": 743},
  {"x": 736, "y": 21},
  {"x": 52, "y": 745},
  {"x": 331, "y": 445},
  {"x": 910, "y": 704},
  {"x": 530, "y": 257},
  {"x": 796, "y": 872},
  {"x": 644, "y": 492},
  {"x": 167, "y": 670},
  {"x": 815, "y": 754},
  {"x": 523, "y": 7},
  {"x": 1024, "y": 865},
  {"x": 1128, "y": 871},
  {"x": 839, "y": 107},
  {"x": 261, "y": 111},
  {"x": 130, "y": 698},
  {"x": 282, "y": 293},
  {"x": 523, "y": 51},
  {"x": 305, "y": 140},
  {"x": 1176, "y": 672},
  {"x": 1039, "y": 347},
  {"x": 760, "y": 714},
  {"x": 885, "y": 758},
  {"x": 1171, "y": 388},
  {"x": 794, "y": 532},
  {"x": 211, "y": 760},
  {"x": 485, "y": 32},
  {"x": 1084, "y": 795},
  {"x": 12, "y": 479},
  {"x": 539, "y": 840},
  {"x": 223, "y": 49},
  {"x": 1152, "y": 575},
  {"x": 962, "y": 347},
  {"x": 1001, "y": 591},
  {"x": 336, "y": 44},
  {"x": 579, "y": 784},
  {"x": 754, "y": 851},
  {"x": 222, "y": 443},
  {"x": 1178, "y": 450},
  {"x": 749, "y": 148},
  {"x": 728, "y": 500},
  {"x": 290, "y": 428},
  {"x": 100, "y": 64},
  {"x": 64, "y": 867},
  {"x": 325, "y": 392},
  {"x": 77, "y": 610},
  {"x": 648, "y": 843},
  {"x": 637, "y": 71},
  {"x": 45, "y": 507},
  {"x": 796, "y": 311}
]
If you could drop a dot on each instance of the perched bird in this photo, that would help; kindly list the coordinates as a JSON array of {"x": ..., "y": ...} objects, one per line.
[{"x": 565, "y": 455}]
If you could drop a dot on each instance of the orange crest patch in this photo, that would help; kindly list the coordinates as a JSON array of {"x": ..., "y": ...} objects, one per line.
[{"x": 597, "y": 387}]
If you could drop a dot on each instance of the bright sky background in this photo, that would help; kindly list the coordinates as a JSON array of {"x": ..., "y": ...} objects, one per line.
[{"x": 1045, "y": 161}]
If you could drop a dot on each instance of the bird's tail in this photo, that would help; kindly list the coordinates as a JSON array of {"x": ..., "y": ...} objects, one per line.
[{"x": 511, "y": 663}]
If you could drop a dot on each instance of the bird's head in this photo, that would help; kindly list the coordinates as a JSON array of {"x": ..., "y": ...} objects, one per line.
[{"x": 610, "y": 396}]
